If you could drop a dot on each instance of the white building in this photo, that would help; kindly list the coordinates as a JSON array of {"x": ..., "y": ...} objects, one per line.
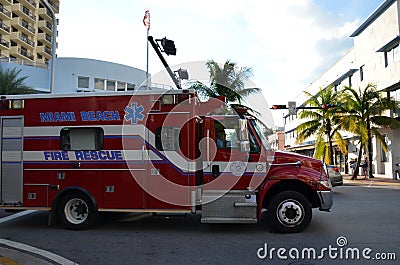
[
  {"x": 375, "y": 58},
  {"x": 74, "y": 75}
]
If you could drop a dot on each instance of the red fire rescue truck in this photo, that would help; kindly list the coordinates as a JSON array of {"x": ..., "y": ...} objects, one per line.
[{"x": 153, "y": 152}]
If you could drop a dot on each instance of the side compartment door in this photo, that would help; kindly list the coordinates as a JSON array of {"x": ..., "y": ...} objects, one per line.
[
  {"x": 168, "y": 174},
  {"x": 11, "y": 148}
]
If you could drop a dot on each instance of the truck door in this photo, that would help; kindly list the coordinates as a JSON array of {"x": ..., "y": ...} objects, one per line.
[
  {"x": 228, "y": 196},
  {"x": 11, "y": 148},
  {"x": 224, "y": 155}
]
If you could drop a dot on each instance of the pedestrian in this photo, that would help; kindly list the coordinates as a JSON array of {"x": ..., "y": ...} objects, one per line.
[
  {"x": 364, "y": 166},
  {"x": 352, "y": 165}
]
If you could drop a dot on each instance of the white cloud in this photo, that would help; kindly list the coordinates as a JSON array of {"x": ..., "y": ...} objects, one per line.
[{"x": 280, "y": 40}]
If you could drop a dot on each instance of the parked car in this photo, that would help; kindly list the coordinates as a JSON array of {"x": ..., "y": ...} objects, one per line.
[{"x": 334, "y": 175}]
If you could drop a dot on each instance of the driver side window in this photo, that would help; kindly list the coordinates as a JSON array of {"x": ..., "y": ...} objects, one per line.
[{"x": 226, "y": 135}]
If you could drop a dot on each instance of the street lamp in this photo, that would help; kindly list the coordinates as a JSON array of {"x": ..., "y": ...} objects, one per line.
[{"x": 53, "y": 44}]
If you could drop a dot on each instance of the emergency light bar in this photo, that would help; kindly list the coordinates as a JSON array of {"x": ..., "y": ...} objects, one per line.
[{"x": 11, "y": 104}]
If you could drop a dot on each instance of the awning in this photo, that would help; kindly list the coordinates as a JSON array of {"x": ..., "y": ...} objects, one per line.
[{"x": 390, "y": 45}]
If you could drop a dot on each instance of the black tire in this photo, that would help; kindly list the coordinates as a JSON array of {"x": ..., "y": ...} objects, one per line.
[
  {"x": 289, "y": 212},
  {"x": 76, "y": 211}
]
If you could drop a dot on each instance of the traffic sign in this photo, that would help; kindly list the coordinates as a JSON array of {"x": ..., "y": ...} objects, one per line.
[{"x": 292, "y": 108}]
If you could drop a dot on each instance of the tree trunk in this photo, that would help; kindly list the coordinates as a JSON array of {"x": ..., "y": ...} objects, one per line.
[
  {"x": 328, "y": 132},
  {"x": 330, "y": 151},
  {"x": 369, "y": 147},
  {"x": 357, "y": 168}
]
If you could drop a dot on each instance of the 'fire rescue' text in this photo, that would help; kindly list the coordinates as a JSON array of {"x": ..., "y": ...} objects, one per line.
[{"x": 82, "y": 155}]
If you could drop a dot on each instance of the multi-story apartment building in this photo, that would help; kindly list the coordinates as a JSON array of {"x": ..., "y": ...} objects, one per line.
[
  {"x": 374, "y": 58},
  {"x": 26, "y": 29}
]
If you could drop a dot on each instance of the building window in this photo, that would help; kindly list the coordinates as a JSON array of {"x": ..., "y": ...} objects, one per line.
[
  {"x": 392, "y": 55},
  {"x": 83, "y": 82},
  {"x": 99, "y": 83},
  {"x": 110, "y": 85},
  {"x": 386, "y": 55},
  {"x": 396, "y": 54},
  {"x": 85, "y": 139},
  {"x": 362, "y": 73},
  {"x": 121, "y": 86}
]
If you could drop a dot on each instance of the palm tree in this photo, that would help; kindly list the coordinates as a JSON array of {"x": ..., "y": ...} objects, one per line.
[
  {"x": 364, "y": 117},
  {"x": 228, "y": 81},
  {"x": 323, "y": 122},
  {"x": 12, "y": 84}
]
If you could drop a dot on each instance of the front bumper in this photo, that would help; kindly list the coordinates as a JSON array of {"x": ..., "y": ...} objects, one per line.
[{"x": 326, "y": 199}]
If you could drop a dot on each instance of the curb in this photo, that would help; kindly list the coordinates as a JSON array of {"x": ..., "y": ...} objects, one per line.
[{"x": 14, "y": 253}]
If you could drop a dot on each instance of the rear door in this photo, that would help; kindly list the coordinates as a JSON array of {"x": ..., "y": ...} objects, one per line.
[{"x": 11, "y": 148}]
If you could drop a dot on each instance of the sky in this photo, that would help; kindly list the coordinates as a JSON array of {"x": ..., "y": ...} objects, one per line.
[{"x": 287, "y": 43}]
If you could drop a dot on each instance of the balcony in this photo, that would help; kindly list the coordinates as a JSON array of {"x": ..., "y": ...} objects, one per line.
[
  {"x": 4, "y": 13},
  {"x": 4, "y": 28},
  {"x": 45, "y": 38},
  {"x": 23, "y": 26},
  {"x": 24, "y": 12},
  {"x": 28, "y": 2},
  {"x": 55, "y": 5},
  {"x": 4, "y": 43},
  {"x": 44, "y": 51},
  {"x": 45, "y": 26},
  {"x": 45, "y": 13},
  {"x": 18, "y": 52},
  {"x": 22, "y": 40}
]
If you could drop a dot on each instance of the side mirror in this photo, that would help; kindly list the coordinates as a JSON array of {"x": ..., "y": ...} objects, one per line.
[
  {"x": 243, "y": 131},
  {"x": 244, "y": 146},
  {"x": 244, "y": 136}
]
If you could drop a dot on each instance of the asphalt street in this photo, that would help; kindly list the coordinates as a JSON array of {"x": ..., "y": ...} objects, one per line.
[{"x": 364, "y": 218}]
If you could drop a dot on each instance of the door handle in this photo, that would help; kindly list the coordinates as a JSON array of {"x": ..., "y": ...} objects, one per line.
[
  {"x": 215, "y": 171},
  {"x": 75, "y": 165}
]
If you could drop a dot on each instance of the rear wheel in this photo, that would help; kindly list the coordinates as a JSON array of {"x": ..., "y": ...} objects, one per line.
[
  {"x": 289, "y": 212},
  {"x": 76, "y": 211}
]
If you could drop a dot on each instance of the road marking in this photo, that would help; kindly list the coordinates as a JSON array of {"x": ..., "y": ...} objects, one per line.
[
  {"x": 48, "y": 255},
  {"x": 15, "y": 216}
]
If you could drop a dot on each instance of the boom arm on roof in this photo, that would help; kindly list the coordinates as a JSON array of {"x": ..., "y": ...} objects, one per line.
[{"x": 157, "y": 49}]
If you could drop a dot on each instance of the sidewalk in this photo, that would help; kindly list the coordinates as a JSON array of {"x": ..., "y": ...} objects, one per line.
[
  {"x": 10, "y": 256},
  {"x": 378, "y": 180},
  {"x": 15, "y": 253}
]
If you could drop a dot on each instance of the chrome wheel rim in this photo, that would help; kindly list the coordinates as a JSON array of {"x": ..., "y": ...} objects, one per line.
[
  {"x": 76, "y": 211},
  {"x": 290, "y": 213}
]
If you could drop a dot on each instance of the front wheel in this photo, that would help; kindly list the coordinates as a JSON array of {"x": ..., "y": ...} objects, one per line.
[
  {"x": 76, "y": 211},
  {"x": 289, "y": 212}
]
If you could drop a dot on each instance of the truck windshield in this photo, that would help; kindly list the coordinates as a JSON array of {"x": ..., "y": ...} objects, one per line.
[{"x": 258, "y": 127}]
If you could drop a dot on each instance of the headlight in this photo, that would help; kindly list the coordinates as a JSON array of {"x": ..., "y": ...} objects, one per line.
[
  {"x": 17, "y": 104},
  {"x": 168, "y": 99},
  {"x": 326, "y": 183}
]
